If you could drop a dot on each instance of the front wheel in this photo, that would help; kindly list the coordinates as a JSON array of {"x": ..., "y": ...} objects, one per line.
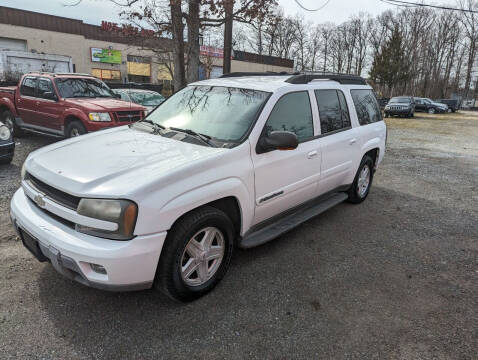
[
  {"x": 74, "y": 128},
  {"x": 362, "y": 182},
  {"x": 196, "y": 254}
]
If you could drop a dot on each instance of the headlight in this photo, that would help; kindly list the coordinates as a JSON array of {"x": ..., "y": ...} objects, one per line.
[
  {"x": 121, "y": 212},
  {"x": 104, "y": 117},
  {"x": 5, "y": 133}
]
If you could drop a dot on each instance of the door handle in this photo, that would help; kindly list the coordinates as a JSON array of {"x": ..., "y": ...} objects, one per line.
[
  {"x": 312, "y": 154},
  {"x": 353, "y": 141}
]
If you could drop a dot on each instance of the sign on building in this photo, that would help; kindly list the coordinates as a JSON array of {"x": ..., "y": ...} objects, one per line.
[{"x": 108, "y": 56}]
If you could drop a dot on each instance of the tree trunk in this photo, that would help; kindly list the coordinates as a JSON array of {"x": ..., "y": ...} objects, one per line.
[
  {"x": 179, "y": 80},
  {"x": 193, "y": 41},
  {"x": 229, "y": 8}
]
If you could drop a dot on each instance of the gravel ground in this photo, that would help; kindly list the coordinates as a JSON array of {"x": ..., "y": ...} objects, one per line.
[{"x": 393, "y": 278}]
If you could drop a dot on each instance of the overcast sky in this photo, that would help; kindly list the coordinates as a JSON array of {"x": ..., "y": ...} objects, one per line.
[{"x": 94, "y": 11}]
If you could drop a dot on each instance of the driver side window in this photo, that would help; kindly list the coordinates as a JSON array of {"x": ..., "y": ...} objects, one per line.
[{"x": 293, "y": 113}]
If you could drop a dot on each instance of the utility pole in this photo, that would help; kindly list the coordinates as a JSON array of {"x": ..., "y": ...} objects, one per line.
[{"x": 229, "y": 10}]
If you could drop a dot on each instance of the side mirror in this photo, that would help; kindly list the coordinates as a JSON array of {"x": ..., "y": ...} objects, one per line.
[
  {"x": 50, "y": 95},
  {"x": 277, "y": 140}
]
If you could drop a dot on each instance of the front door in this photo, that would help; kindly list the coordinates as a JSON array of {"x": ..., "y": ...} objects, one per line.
[
  {"x": 49, "y": 111},
  {"x": 285, "y": 179}
]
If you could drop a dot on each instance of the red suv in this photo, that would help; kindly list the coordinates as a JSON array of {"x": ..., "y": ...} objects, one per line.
[{"x": 64, "y": 105}]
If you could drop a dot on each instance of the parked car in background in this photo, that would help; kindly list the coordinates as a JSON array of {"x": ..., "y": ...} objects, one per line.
[
  {"x": 7, "y": 145},
  {"x": 147, "y": 98},
  {"x": 429, "y": 106},
  {"x": 65, "y": 105},
  {"x": 164, "y": 202},
  {"x": 402, "y": 106},
  {"x": 453, "y": 104}
]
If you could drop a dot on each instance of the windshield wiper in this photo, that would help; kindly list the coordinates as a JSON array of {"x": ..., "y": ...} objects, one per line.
[{"x": 203, "y": 137}]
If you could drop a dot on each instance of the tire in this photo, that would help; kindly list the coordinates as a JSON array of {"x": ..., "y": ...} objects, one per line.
[
  {"x": 412, "y": 114},
  {"x": 356, "y": 193},
  {"x": 171, "y": 278},
  {"x": 9, "y": 120},
  {"x": 386, "y": 115},
  {"x": 75, "y": 128},
  {"x": 431, "y": 111}
]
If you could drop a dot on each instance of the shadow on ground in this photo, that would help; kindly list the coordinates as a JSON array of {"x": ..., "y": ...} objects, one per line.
[{"x": 394, "y": 277}]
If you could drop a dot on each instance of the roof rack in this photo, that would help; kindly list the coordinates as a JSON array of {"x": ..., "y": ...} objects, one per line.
[
  {"x": 344, "y": 79},
  {"x": 54, "y": 74},
  {"x": 268, "y": 73}
]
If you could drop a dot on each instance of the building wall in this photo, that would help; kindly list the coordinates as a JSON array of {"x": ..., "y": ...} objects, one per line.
[{"x": 79, "y": 48}]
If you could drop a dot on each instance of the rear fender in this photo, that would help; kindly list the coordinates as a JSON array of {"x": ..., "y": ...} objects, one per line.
[{"x": 8, "y": 103}]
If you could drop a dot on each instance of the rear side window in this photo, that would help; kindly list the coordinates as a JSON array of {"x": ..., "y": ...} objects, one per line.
[
  {"x": 333, "y": 111},
  {"x": 366, "y": 105},
  {"x": 28, "y": 86},
  {"x": 292, "y": 113}
]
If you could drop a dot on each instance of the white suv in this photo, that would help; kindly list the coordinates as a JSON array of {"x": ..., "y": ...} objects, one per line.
[{"x": 227, "y": 162}]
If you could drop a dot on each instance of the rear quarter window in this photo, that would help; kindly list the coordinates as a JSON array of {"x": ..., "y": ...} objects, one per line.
[
  {"x": 366, "y": 105},
  {"x": 28, "y": 86}
]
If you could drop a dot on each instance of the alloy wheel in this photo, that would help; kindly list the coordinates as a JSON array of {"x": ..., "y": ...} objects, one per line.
[
  {"x": 202, "y": 256},
  {"x": 363, "y": 181}
]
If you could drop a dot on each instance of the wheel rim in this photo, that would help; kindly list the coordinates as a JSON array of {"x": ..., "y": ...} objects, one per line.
[
  {"x": 9, "y": 123},
  {"x": 431, "y": 111},
  {"x": 74, "y": 132},
  {"x": 202, "y": 256},
  {"x": 363, "y": 181}
]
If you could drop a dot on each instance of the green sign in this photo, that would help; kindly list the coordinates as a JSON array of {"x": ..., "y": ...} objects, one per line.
[{"x": 106, "y": 56}]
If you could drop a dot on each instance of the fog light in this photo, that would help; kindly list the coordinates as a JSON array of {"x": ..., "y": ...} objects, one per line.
[{"x": 98, "y": 269}]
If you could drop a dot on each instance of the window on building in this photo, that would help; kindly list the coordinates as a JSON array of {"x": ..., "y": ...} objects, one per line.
[
  {"x": 106, "y": 74},
  {"x": 366, "y": 105},
  {"x": 28, "y": 86},
  {"x": 292, "y": 113},
  {"x": 139, "y": 59},
  {"x": 333, "y": 111}
]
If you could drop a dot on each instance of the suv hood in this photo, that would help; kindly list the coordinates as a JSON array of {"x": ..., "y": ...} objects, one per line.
[
  {"x": 113, "y": 163},
  {"x": 104, "y": 104}
]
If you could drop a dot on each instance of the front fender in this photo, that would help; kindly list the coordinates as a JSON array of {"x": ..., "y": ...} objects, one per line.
[
  {"x": 74, "y": 112},
  {"x": 190, "y": 200}
]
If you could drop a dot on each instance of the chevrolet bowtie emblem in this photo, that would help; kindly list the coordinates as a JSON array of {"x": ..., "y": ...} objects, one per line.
[{"x": 39, "y": 201}]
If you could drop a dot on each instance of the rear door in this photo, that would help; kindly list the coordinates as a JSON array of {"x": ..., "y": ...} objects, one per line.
[
  {"x": 420, "y": 105},
  {"x": 49, "y": 110},
  {"x": 26, "y": 102},
  {"x": 285, "y": 179},
  {"x": 338, "y": 139}
]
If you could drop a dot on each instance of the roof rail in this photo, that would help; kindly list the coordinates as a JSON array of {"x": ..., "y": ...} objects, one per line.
[
  {"x": 268, "y": 73},
  {"x": 54, "y": 74},
  {"x": 344, "y": 79}
]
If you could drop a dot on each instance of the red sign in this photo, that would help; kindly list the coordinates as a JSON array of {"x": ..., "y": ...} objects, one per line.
[
  {"x": 125, "y": 29},
  {"x": 211, "y": 51}
]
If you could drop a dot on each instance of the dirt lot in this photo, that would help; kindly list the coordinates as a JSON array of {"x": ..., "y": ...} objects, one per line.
[{"x": 395, "y": 277}]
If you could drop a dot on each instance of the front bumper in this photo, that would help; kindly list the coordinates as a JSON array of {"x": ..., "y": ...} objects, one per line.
[
  {"x": 7, "y": 149},
  {"x": 397, "y": 112},
  {"x": 130, "y": 265}
]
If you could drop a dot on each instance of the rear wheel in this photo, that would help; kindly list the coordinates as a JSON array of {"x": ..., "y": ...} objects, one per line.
[
  {"x": 196, "y": 254},
  {"x": 362, "y": 182},
  {"x": 9, "y": 120},
  {"x": 74, "y": 128},
  {"x": 431, "y": 111}
]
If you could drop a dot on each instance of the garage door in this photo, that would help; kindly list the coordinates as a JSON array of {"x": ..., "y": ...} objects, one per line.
[{"x": 13, "y": 44}]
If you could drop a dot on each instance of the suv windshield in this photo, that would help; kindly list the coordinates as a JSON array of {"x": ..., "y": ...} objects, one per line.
[
  {"x": 401, "y": 100},
  {"x": 82, "y": 88},
  {"x": 221, "y": 113},
  {"x": 146, "y": 98}
]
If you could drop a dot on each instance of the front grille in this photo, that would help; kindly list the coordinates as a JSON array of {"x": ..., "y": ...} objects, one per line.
[
  {"x": 128, "y": 116},
  {"x": 396, "y": 107},
  {"x": 56, "y": 195}
]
